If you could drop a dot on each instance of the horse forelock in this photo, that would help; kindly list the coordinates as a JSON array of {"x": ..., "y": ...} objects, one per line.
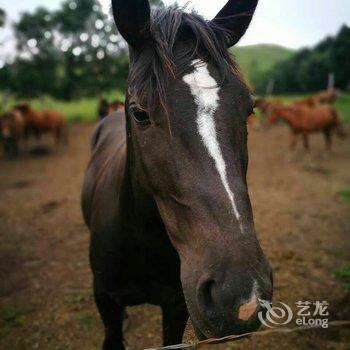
[{"x": 176, "y": 39}]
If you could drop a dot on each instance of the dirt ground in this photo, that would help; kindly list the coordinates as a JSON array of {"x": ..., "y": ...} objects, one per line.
[{"x": 45, "y": 281}]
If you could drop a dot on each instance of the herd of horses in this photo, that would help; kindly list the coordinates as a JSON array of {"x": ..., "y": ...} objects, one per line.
[
  {"x": 309, "y": 115},
  {"x": 22, "y": 122}
]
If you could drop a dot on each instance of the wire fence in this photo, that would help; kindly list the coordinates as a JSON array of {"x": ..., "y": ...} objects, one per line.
[{"x": 198, "y": 344}]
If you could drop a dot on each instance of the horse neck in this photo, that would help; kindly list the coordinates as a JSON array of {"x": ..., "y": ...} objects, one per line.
[
  {"x": 139, "y": 208},
  {"x": 286, "y": 116},
  {"x": 133, "y": 179}
]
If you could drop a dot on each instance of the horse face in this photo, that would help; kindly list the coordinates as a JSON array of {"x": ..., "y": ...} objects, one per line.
[{"x": 191, "y": 157}]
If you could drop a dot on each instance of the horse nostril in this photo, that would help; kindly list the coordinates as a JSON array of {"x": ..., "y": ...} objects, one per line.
[{"x": 205, "y": 293}]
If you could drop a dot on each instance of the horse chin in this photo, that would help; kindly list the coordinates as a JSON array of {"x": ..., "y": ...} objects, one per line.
[{"x": 204, "y": 332}]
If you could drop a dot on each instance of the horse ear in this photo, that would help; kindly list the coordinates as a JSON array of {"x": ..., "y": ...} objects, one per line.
[
  {"x": 235, "y": 18},
  {"x": 132, "y": 18}
]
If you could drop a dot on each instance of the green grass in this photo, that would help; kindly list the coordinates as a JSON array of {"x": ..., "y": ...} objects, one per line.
[
  {"x": 344, "y": 193},
  {"x": 260, "y": 58},
  {"x": 78, "y": 298},
  {"x": 343, "y": 106},
  {"x": 11, "y": 317},
  {"x": 85, "y": 321},
  {"x": 343, "y": 274}
]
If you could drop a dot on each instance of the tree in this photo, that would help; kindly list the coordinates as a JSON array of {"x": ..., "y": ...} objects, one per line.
[
  {"x": 339, "y": 58},
  {"x": 71, "y": 52},
  {"x": 2, "y": 17},
  {"x": 90, "y": 48},
  {"x": 156, "y": 3},
  {"x": 34, "y": 32},
  {"x": 39, "y": 58},
  {"x": 308, "y": 69}
]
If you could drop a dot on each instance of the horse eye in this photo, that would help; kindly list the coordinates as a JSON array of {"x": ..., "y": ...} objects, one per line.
[{"x": 141, "y": 117}]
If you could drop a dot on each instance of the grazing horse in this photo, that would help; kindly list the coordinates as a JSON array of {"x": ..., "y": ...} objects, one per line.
[
  {"x": 306, "y": 120},
  {"x": 41, "y": 122},
  {"x": 12, "y": 129},
  {"x": 165, "y": 193},
  {"x": 323, "y": 97},
  {"x": 328, "y": 97},
  {"x": 267, "y": 105},
  {"x": 310, "y": 102}
]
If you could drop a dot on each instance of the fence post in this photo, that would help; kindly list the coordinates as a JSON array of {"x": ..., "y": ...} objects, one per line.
[
  {"x": 270, "y": 86},
  {"x": 330, "y": 86}
]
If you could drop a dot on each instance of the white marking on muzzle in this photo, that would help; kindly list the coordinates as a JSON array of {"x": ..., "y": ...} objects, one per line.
[
  {"x": 248, "y": 307},
  {"x": 205, "y": 91}
]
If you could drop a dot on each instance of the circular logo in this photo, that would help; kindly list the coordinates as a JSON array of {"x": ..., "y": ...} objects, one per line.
[{"x": 279, "y": 314}]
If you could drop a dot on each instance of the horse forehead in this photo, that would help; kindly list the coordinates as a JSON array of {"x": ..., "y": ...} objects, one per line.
[
  {"x": 207, "y": 84},
  {"x": 203, "y": 85}
]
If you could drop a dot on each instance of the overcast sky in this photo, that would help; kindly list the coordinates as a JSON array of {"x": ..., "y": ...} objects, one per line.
[{"x": 291, "y": 23}]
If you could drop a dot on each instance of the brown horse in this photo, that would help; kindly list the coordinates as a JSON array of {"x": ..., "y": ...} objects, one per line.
[
  {"x": 305, "y": 120},
  {"x": 105, "y": 108},
  {"x": 310, "y": 102},
  {"x": 328, "y": 96},
  {"x": 267, "y": 105},
  {"x": 42, "y": 122},
  {"x": 323, "y": 97},
  {"x": 12, "y": 130},
  {"x": 116, "y": 105},
  {"x": 253, "y": 121},
  {"x": 165, "y": 193}
]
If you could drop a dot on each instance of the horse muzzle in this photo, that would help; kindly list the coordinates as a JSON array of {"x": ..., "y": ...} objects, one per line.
[{"x": 228, "y": 303}]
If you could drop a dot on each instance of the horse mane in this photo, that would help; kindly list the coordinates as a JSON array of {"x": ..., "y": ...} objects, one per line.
[{"x": 200, "y": 39}]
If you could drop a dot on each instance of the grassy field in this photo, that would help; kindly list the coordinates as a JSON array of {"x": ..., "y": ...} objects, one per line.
[
  {"x": 86, "y": 109},
  {"x": 257, "y": 59}
]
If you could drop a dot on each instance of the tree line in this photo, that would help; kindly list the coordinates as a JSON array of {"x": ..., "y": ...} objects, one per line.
[
  {"x": 67, "y": 53},
  {"x": 308, "y": 69},
  {"x": 76, "y": 51}
]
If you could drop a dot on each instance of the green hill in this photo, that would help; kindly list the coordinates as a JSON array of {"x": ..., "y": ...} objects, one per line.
[{"x": 256, "y": 59}]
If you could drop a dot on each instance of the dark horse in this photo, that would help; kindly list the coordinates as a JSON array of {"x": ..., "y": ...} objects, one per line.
[{"x": 165, "y": 194}]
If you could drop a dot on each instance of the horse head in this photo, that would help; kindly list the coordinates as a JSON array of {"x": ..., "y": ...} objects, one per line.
[{"x": 186, "y": 109}]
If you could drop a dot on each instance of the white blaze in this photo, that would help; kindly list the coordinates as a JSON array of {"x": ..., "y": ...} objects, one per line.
[{"x": 205, "y": 91}]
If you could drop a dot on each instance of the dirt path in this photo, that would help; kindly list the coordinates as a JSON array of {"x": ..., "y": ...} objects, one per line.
[{"x": 45, "y": 294}]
